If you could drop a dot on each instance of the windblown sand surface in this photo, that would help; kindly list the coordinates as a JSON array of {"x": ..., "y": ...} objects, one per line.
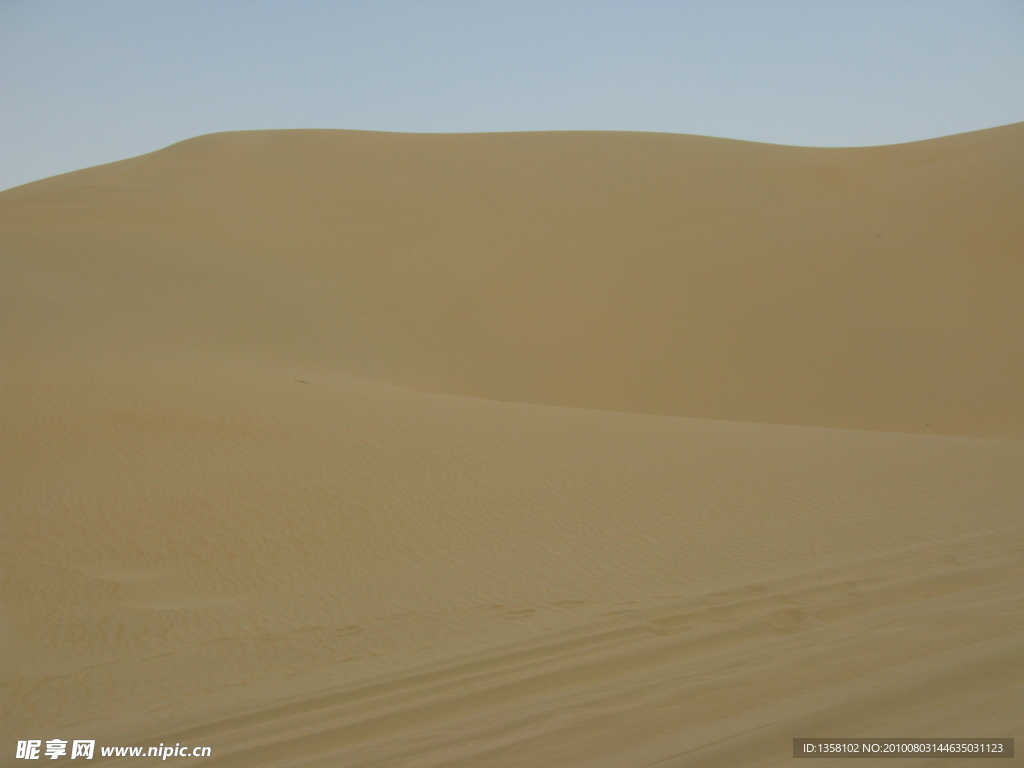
[{"x": 615, "y": 450}]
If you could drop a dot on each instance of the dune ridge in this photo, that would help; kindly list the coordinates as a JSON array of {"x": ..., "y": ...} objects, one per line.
[
  {"x": 858, "y": 288},
  {"x": 579, "y": 448}
]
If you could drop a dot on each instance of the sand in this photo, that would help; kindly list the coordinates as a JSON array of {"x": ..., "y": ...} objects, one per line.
[{"x": 617, "y": 450}]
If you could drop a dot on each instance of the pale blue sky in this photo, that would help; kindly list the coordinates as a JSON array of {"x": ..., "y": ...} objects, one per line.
[{"x": 84, "y": 82}]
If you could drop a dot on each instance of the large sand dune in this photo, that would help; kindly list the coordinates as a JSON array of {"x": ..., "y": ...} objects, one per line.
[{"x": 336, "y": 448}]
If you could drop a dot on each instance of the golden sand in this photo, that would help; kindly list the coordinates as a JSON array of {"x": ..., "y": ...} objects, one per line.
[{"x": 610, "y": 450}]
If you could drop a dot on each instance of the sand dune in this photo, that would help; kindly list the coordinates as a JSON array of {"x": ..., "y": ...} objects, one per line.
[{"x": 337, "y": 448}]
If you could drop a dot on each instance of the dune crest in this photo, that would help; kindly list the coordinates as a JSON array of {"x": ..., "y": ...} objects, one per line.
[{"x": 872, "y": 288}]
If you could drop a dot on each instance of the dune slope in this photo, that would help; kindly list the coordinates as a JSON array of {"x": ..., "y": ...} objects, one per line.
[
  {"x": 602, "y": 449},
  {"x": 860, "y": 288}
]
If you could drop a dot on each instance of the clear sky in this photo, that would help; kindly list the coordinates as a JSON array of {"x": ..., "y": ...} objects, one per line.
[{"x": 84, "y": 82}]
